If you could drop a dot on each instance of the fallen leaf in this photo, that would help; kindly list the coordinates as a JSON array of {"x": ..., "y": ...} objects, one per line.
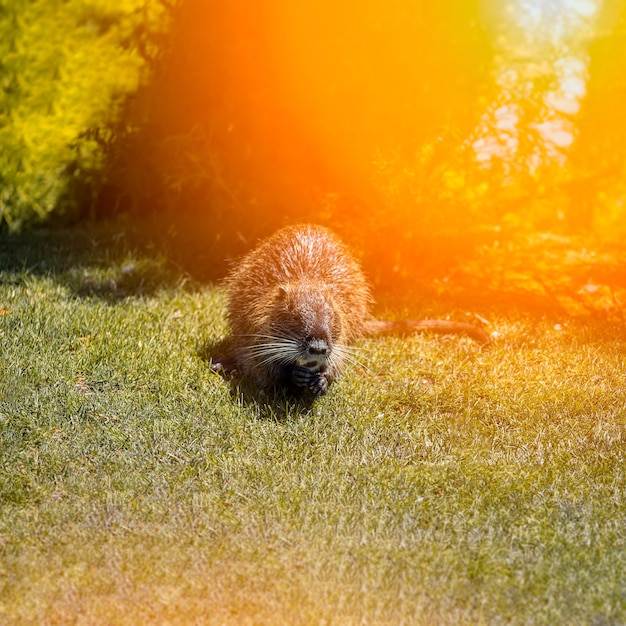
[
  {"x": 81, "y": 385},
  {"x": 102, "y": 416}
]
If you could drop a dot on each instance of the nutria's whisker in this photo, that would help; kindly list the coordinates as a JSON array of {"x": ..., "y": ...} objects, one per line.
[
  {"x": 353, "y": 360},
  {"x": 346, "y": 354}
]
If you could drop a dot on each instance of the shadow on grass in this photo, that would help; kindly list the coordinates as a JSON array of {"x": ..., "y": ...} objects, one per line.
[
  {"x": 279, "y": 405},
  {"x": 538, "y": 275},
  {"x": 532, "y": 274},
  {"x": 92, "y": 262},
  {"x": 276, "y": 406}
]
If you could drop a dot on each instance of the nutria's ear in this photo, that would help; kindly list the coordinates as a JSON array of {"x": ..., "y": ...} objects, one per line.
[{"x": 283, "y": 290}]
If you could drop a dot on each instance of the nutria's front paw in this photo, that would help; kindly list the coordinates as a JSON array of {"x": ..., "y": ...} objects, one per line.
[
  {"x": 301, "y": 376},
  {"x": 319, "y": 386},
  {"x": 226, "y": 366},
  {"x": 316, "y": 383}
]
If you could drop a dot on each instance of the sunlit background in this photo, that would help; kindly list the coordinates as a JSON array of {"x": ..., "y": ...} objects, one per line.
[{"x": 422, "y": 132}]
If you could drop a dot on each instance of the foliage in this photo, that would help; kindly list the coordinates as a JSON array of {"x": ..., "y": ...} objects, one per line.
[
  {"x": 441, "y": 483},
  {"x": 551, "y": 134},
  {"x": 64, "y": 67},
  {"x": 391, "y": 122},
  {"x": 264, "y": 112},
  {"x": 397, "y": 124}
]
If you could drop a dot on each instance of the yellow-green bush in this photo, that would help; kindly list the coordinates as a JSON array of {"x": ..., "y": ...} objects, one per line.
[{"x": 65, "y": 65}]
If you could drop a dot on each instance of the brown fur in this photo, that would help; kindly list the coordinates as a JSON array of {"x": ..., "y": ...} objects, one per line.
[{"x": 297, "y": 301}]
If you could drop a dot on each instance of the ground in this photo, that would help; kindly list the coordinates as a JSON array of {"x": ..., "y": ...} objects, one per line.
[{"x": 439, "y": 482}]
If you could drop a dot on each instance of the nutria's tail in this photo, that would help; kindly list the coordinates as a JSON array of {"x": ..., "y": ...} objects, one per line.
[{"x": 379, "y": 328}]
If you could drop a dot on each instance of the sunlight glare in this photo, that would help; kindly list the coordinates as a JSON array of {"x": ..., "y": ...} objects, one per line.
[
  {"x": 586, "y": 8},
  {"x": 538, "y": 10},
  {"x": 531, "y": 32}
]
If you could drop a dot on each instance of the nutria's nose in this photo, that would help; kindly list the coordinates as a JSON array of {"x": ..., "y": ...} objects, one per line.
[{"x": 318, "y": 347}]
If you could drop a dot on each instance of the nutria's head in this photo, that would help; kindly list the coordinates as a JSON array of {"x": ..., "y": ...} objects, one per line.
[
  {"x": 306, "y": 324},
  {"x": 301, "y": 328}
]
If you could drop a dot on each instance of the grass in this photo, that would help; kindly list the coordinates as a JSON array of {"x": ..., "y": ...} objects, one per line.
[{"x": 442, "y": 483}]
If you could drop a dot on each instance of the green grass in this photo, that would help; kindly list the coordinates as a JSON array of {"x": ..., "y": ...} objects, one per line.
[{"x": 442, "y": 483}]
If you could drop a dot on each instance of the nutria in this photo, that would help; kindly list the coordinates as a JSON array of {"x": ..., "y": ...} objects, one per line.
[{"x": 295, "y": 304}]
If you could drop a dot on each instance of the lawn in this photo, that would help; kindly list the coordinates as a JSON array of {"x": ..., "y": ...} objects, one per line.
[{"x": 440, "y": 483}]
